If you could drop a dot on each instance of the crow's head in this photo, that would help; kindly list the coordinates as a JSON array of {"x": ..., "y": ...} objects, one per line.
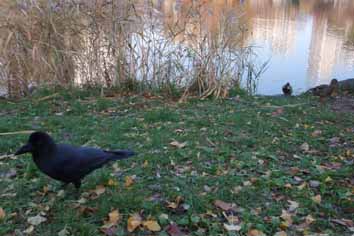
[{"x": 37, "y": 141}]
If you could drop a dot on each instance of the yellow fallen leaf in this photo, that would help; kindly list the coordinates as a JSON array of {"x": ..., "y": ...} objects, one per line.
[
  {"x": 328, "y": 179},
  {"x": 317, "y": 199},
  {"x": 145, "y": 164},
  {"x": 287, "y": 217},
  {"x": 114, "y": 217},
  {"x": 152, "y": 225},
  {"x": 2, "y": 213},
  {"x": 302, "y": 186},
  {"x": 255, "y": 232},
  {"x": 309, "y": 219},
  {"x": 134, "y": 221},
  {"x": 112, "y": 182},
  {"x": 129, "y": 181}
]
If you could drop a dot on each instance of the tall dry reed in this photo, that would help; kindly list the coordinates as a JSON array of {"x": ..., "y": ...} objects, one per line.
[{"x": 123, "y": 44}]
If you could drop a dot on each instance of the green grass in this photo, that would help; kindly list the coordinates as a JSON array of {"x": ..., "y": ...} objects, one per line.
[{"x": 228, "y": 143}]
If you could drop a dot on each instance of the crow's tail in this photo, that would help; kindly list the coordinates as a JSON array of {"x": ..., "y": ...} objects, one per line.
[{"x": 121, "y": 154}]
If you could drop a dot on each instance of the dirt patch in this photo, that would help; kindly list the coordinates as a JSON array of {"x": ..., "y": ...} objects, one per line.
[{"x": 343, "y": 104}]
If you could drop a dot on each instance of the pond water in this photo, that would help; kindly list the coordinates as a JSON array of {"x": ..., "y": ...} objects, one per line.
[{"x": 307, "y": 42}]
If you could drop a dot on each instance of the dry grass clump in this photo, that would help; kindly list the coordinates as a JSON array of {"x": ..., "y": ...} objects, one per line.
[{"x": 123, "y": 44}]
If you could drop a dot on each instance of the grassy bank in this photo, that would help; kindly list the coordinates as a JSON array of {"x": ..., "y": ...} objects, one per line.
[{"x": 285, "y": 163}]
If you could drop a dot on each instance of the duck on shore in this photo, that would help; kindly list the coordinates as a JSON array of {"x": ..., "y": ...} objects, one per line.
[
  {"x": 325, "y": 90},
  {"x": 287, "y": 89}
]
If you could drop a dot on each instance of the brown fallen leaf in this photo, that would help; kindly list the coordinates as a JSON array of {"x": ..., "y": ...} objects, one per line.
[
  {"x": 316, "y": 133},
  {"x": 152, "y": 225},
  {"x": 100, "y": 189},
  {"x": 178, "y": 144},
  {"x": 134, "y": 222},
  {"x": 255, "y": 232},
  {"x": 129, "y": 181},
  {"x": 111, "y": 231},
  {"x": 223, "y": 205},
  {"x": 344, "y": 222},
  {"x": 176, "y": 203},
  {"x": 173, "y": 230},
  {"x": 2, "y": 213},
  {"x": 317, "y": 199}
]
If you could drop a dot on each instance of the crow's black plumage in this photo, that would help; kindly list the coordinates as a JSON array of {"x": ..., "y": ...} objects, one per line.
[{"x": 67, "y": 163}]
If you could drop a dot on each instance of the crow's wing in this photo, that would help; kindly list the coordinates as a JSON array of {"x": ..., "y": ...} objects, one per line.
[{"x": 73, "y": 163}]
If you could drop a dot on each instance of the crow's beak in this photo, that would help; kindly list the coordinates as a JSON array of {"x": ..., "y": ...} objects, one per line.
[{"x": 24, "y": 149}]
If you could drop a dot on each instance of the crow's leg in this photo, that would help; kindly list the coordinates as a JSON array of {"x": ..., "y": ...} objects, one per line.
[
  {"x": 64, "y": 185},
  {"x": 77, "y": 184}
]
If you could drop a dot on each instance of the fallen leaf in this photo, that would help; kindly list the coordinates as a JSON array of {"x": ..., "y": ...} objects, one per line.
[
  {"x": 293, "y": 206},
  {"x": 173, "y": 230},
  {"x": 61, "y": 193},
  {"x": 223, "y": 205},
  {"x": 2, "y": 213},
  {"x": 145, "y": 164},
  {"x": 36, "y": 220},
  {"x": 174, "y": 205},
  {"x": 328, "y": 179},
  {"x": 232, "y": 227},
  {"x": 114, "y": 217},
  {"x": 305, "y": 147},
  {"x": 110, "y": 231},
  {"x": 281, "y": 233},
  {"x": 302, "y": 186},
  {"x": 112, "y": 182},
  {"x": 314, "y": 183},
  {"x": 287, "y": 217},
  {"x": 309, "y": 220},
  {"x": 100, "y": 189},
  {"x": 344, "y": 222},
  {"x": 64, "y": 232},
  {"x": 316, "y": 133},
  {"x": 134, "y": 221},
  {"x": 317, "y": 199},
  {"x": 152, "y": 225},
  {"x": 29, "y": 230},
  {"x": 129, "y": 181},
  {"x": 178, "y": 144},
  {"x": 255, "y": 232},
  {"x": 278, "y": 112}
]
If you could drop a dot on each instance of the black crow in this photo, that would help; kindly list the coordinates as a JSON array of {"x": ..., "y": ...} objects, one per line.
[{"x": 67, "y": 163}]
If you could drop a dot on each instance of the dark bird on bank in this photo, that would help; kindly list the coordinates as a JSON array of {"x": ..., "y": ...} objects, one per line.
[
  {"x": 287, "y": 89},
  {"x": 325, "y": 90},
  {"x": 65, "y": 162}
]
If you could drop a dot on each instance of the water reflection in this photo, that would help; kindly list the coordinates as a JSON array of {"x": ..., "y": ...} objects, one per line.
[{"x": 308, "y": 41}]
